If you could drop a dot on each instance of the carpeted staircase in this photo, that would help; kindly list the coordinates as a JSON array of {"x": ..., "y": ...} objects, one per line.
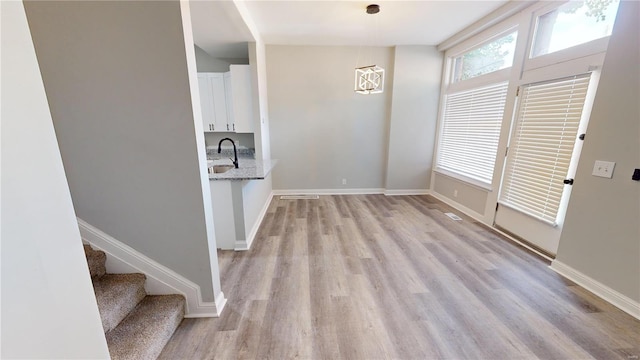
[{"x": 137, "y": 325}]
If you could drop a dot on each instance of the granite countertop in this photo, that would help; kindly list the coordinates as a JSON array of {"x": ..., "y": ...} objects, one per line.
[{"x": 248, "y": 169}]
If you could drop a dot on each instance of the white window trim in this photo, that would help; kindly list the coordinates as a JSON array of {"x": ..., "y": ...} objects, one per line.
[
  {"x": 583, "y": 50},
  {"x": 563, "y": 69},
  {"x": 497, "y": 36},
  {"x": 574, "y": 52},
  {"x": 479, "y": 81}
]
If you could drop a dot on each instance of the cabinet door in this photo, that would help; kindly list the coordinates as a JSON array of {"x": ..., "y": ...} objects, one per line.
[
  {"x": 242, "y": 97},
  {"x": 219, "y": 102},
  {"x": 206, "y": 102},
  {"x": 229, "y": 101}
]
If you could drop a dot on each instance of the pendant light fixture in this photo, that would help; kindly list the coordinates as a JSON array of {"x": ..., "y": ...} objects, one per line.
[{"x": 370, "y": 79}]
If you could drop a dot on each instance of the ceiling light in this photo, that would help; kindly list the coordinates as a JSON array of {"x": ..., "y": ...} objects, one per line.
[{"x": 370, "y": 78}]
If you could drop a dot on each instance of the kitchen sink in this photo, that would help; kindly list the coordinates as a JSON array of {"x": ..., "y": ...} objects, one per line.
[{"x": 219, "y": 169}]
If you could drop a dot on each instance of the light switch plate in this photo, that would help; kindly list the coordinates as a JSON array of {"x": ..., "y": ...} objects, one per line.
[{"x": 603, "y": 169}]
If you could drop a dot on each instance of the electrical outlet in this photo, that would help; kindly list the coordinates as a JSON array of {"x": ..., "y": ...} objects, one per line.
[
  {"x": 455, "y": 193},
  {"x": 603, "y": 169},
  {"x": 344, "y": 181}
]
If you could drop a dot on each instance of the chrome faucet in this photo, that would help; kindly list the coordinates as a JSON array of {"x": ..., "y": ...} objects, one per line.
[{"x": 235, "y": 152}]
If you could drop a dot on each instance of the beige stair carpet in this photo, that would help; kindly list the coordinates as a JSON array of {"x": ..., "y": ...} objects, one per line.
[
  {"x": 96, "y": 260},
  {"x": 117, "y": 295},
  {"x": 137, "y": 326},
  {"x": 156, "y": 317}
]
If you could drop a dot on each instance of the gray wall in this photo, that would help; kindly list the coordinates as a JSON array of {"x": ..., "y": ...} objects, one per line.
[
  {"x": 208, "y": 63},
  {"x": 469, "y": 196},
  {"x": 258, "y": 62},
  {"x": 49, "y": 310},
  {"x": 414, "y": 113},
  {"x": 118, "y": 88},
  {"x": 321, "y": 130},
  {"x": 601, "y": 236}
]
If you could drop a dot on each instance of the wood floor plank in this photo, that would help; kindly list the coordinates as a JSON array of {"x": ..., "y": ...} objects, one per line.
[
  {"x": 377, "y": 277},
  {"x": 277, "y": 224},
  {"x": 189, "y": 339},
  {"x": 565, "y": 316},
  {"x": 250, "y": 331},
  {"x": 376, "y": 341}
]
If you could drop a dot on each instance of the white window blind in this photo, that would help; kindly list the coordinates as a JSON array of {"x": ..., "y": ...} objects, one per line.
[
  {"x": 540, "y": 151},
  {"x": 471, "y": 131}
]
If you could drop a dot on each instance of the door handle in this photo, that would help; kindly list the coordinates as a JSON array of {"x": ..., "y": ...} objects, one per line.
[{"x": 568, "y": 181}]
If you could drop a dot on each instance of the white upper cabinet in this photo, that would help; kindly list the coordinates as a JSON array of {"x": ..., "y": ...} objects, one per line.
[
  {"x": 206, "y": 102},
  {"x": 219, "y": 102},
  {"x": 226, "y": 100},
  {"x": 229, "y": 101},
  {"x": 242, "y": 98},
  {"x": 213, "y": 102}
]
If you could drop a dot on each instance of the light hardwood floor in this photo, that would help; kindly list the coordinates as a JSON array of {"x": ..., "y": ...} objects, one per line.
[{"x": 375, "y": 277}]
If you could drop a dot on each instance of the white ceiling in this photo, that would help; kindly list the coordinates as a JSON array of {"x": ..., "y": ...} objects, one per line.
[{"x": 219, "y": 29}]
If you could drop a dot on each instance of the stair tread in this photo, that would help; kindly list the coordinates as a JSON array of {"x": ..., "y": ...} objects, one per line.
[
  {"x": 96, "y": 259},
  {"x": 146, "y": 330},
  {"x": 117, "y": 295}
]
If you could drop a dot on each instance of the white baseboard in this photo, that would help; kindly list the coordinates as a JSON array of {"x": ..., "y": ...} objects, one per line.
[
  {"x": 407, "y": 192},
  {"x": 329, "y": 192},
  {"x": 367, "y": 191},
  {"x": 243, "y": 245},
  {"x": 613, "y": 297},
  {"x": 161, "y": 280}
]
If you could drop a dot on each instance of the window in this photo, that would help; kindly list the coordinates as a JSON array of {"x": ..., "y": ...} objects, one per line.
[
  {"x": 542, "y": 144},
  {"x": 517, "y": 93},
  {"x": 492, "y": 56},
  {"x": 574, "y": 23},
  {"x": 473, "y": 109},
  {"x": 471, "y": 130},
  {"x": 479, "y": 101}
]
